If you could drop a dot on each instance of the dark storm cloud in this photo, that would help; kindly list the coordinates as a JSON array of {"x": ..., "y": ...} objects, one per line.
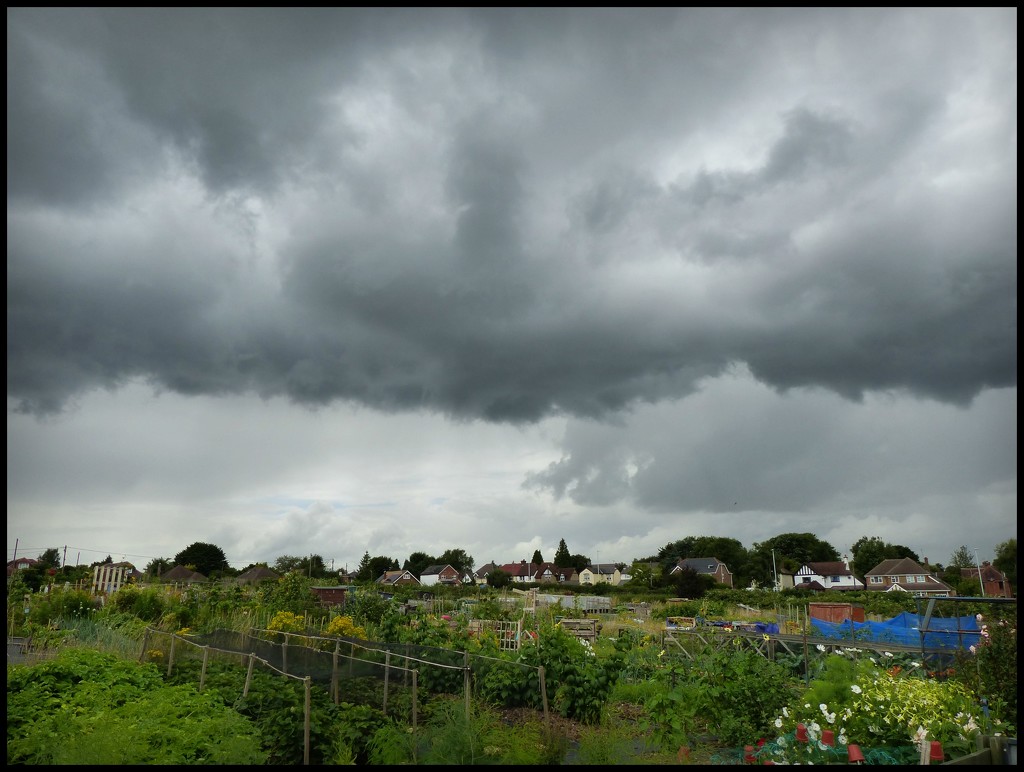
[{"x": 471, "y": 212}]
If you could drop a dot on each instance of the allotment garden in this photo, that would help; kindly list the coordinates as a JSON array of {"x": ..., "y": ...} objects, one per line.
[{"x": 211, "y": 674}]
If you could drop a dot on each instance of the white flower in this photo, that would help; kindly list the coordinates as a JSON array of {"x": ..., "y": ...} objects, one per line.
[
  {"x": 778, "y": 723},
  {"x": 979, "y": 618},
  {"x": 974, "y": 649},
  {"x": 855, "y": 689},
  {"x": 830, "y": 717},
  {"x": 823, "y": 708},
  {"x": 785, "y": 711},
  {"x": 915, "y": 664},
  {"x": 820, "y": 647},
  {"x": 919, "y": 736},
  {"x": 886, "y": 653}
]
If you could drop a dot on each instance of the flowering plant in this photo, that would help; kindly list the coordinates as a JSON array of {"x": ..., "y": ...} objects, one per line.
[{"x": 880, "y": 706}]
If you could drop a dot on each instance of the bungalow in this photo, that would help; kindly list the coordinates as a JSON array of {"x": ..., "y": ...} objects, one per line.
[
  {"x": 397, "y": 578},
  {"x": 906, "y": 575},
  {"x": 257, "y": 574},
  {"x": 712, "y": 567},
  {"x": 182, "y": 575}
]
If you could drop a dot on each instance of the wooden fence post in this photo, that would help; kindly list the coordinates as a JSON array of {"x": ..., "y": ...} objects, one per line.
[
  {"x": 415, "y": 678},
  {"x": 145, "y": 646},
  {"x": 387, "y": 675},
  {"x": 170, "y": 656},
  {"x": 284, "y": 654},
  {"x": 334, "y": 672},
  {"x": 543, "y": 693},
  {"x": 305, "y": 728},
  {"x": 248, "y": 675},
  {"x": 202, "y": 674},
  {"x": 466, "y": 679}
]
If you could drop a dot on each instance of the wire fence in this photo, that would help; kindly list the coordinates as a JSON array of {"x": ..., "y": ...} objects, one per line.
[{"x": 342, "y": 666}]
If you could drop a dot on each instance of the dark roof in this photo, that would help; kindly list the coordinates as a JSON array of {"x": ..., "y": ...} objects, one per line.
[
  {"x": 435, "y": 570},
  {"x": 830, "y": 568},
  {"x": 182, "y": 574},
  {"x": 897, "y": 567},
  {"x": 257, "y": 574},
  {"x": 701, "y": 565}
]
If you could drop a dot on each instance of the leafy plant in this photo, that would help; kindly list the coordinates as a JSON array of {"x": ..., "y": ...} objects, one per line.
[{"x": 89, "y": 708}]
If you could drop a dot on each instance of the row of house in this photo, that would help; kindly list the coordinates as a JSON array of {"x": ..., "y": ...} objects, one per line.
[{"x": 900, "y": 574}]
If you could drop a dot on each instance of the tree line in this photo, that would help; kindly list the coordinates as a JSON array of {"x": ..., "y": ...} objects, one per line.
[{"x": 758, "y": 566}]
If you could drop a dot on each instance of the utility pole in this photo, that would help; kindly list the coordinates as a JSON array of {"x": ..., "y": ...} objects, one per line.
[
  {"x": 64, "y": 562},
  {"x": 978, "y": 564},
  {"x": 775, "y": 574}
]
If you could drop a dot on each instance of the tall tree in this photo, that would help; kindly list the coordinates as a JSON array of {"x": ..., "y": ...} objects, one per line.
[
  {"x": 961, "y": 558},
  {"x": 207, "y": 559},
  {"x": 379, "y": 564},
  {"x": 418, "y": 562},
  {"x": 579, "y": 562},
  {"x": 562, "y": 557},
  {"x": 1006, "y": 560},
  {"x": 537, "y": 558},
  {"x": 363, "y": 571},
  {"x": 157, "y": 566},
  {"x": 287, "y": 563},
  {"x": 458, "y": 559},
  {"x": 869, "y": 551},
  {"x": 50, "y": 558}
]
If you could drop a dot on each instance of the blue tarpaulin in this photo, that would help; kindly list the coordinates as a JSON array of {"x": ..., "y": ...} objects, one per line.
[{"x": 942, "y": 633}]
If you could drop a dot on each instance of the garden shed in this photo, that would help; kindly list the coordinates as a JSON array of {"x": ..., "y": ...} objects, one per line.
[{"x": 836, "y": 612}]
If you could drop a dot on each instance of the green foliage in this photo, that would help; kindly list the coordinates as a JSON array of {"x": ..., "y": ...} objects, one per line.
[
  {"x": 670, "y": 711},
  {"x": 876, "y": 704},
  {"x": 89, "y": 708},
  {"x": 451, "y": 735},
  {"x": 290, "y": 593},
  {"x": 990, "y": 668},
  {"x": 208, "y": 559},
  {"x": 368, "y": 609},
  {"x": 145, "y": 604},
  {"x": 59, "y": 603},
  {"x": 734, "y": 690},
  {"x": 1006, "y": 560}
]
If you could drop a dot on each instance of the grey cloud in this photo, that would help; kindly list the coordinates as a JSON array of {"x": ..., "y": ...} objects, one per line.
[{"x": 462, "y": 212}]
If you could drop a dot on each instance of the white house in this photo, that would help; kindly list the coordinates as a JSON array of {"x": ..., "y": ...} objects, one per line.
[{"x": 827, "y": 575}]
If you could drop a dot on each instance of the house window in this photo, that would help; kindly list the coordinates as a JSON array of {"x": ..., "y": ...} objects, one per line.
[
  {"x": 894, "y": 580},
  {"x": 876, "y": 580},
  {"x": 806, "y": 580},
  {"x": 834, "y": 579}
]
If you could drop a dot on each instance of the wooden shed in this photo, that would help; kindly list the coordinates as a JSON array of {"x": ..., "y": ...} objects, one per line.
[
  {"x": 836, "y": 612},
  {"x": 330, "y": 596}
]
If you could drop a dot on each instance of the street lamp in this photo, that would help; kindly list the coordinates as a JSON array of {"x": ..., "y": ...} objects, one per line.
[
  {"x": 775, "y": 574},
  {"x": 980, "y": 580}
]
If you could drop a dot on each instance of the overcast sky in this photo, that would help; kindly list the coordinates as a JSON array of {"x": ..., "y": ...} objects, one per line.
[{"x": 395, "y": 281}]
